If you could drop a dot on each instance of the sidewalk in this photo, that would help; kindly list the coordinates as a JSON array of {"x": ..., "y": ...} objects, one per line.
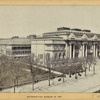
[{"x": 90, "y": 83}]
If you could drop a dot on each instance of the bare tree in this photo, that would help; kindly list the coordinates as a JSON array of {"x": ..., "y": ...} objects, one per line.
[
  {"x": 91, "y": 61},
  {"x": 63, "y": 63},
  {"x": 33, "y": 69},
  {"x": 48, "y": 64},
  {"x": 16, "y": 71},
  {"x": 83, "y": 62},
  {"x": 4, "y": 70},
  {"x": 51, "y": 64},
  {"x": 12, "y": 71}
]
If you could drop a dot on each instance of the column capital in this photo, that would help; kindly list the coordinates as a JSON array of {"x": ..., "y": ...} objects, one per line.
[
  {"x": 94, "y": 43},
  {"x": 84, "y": 43},
  {"x": 70, "y": 43}
]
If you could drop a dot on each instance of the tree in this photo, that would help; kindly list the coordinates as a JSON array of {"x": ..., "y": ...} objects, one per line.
[
  {"x": 33, "y": 69},
  {"x": 91, "y": 61},
  {"x": 16, "y": 71},
  {"x": 48, "y": 64},
  {"x": 63, "y": 67},
  {"x": 4, "y": 70},
  {"x": 83, "y": 62},
  {"x": 13, "y": 72}
]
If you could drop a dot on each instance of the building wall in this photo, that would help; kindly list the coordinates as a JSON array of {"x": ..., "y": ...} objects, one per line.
[
  {"x": 79, "y": 43},
  {"x": 38, "y": 49},
  {"x": 21, "y": 50},
  {"x": 16, "y": 51},
  {"x": 44, "y": 49},
  {"x": 3, "y": 49}
]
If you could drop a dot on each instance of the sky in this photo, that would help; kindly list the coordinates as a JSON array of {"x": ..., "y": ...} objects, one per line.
[{"x": 27, "y": 20}]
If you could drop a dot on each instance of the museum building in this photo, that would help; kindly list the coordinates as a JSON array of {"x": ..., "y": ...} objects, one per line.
[
  {"x": 62, "y": 43},
  {"x": 15, "y": 47},
  {"x": 66, "y": 43}
]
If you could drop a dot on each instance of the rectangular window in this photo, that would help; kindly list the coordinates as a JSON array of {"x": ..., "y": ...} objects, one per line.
[{"x": 48, "y": 45}]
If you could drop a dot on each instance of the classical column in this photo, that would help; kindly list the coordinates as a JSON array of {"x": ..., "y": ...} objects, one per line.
[
  {"x": 80, "y": 52},
  {"x": 94, "y": 49},
  {"x": 70, "y": 50},
  {"x": 66, "y": 48},
  {"x": 86, "y": 51},
  {"x": 96, "y": 54},
  {"x": 73, "y": 51},
  {"x": 83, "y": 47}
]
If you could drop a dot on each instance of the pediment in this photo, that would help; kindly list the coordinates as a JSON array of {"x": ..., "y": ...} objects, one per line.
[
  {"x": 84, "y": 37},
  {"x": 95, "y": 37},
  {"x": 72, "y": 36}
]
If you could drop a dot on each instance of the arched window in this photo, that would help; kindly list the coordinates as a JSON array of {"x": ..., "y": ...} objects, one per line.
[
  {"x": 55, "y": 55},
  {"x": 48, "y": 56},
  {"x": 59, "y": 55},
  {"x": 64, "y": 55}
]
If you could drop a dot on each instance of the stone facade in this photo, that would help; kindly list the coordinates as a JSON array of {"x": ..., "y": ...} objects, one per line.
[
  {"x": 79, "y": 43},
  {"x": 51, "y": 48},
  {"x": 63, "y": 43},
  {"x": 15, "y": 47}
]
